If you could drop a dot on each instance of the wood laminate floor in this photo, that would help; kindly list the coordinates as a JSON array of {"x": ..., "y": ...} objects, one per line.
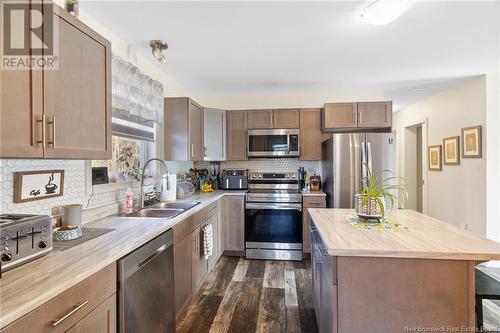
[{"x": 242, "y": 295}]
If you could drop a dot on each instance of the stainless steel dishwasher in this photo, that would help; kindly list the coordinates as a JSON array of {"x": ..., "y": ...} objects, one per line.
[{"x": 146, "y": 288}]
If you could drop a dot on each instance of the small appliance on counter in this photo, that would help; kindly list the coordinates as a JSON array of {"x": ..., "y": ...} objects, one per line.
[
  {"x": 235, "y": 179},
  {"x": 315, "y": 182},
  {"x": 185, "y": 189},
  {"x": 24, "y": 237}
]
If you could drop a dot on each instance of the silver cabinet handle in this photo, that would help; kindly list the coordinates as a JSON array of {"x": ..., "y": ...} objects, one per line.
[
  {"x": 42, "y": 121},
  {"x": 192, "y": 150},
  {"x": 355, "y": 116},
  {"x": 53, "y": 123},
  {"x": 63, "y": 318}
]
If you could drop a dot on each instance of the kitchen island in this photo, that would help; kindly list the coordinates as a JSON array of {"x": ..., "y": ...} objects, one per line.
[{"x": 416, "y": 279}]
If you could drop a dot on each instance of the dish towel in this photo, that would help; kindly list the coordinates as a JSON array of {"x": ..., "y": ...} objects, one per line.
[{"x": 208, "y": 238}]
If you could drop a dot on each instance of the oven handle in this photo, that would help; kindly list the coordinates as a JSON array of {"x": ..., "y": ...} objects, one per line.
[{"x": 287, "y": 206}]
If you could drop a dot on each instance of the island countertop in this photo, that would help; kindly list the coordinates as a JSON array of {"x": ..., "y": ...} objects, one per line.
[{"x": 425, "y": 238}]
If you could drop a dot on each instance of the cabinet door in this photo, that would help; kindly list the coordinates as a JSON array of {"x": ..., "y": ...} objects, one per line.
[
  {"x": 214, "y": 220},
  {"x": 375, "y": 114},
  {"x": 77, "y": 96},
  {"x": 214, "y": 133},
  {"x": 195, "y": 129},
  {"x": 236, "y": 135},
  {"x": 310, "y": 134},
  {"x": 286, "y": 118},
  {"x": 340, "y": 115},
  {"x": 234, "y": 223},
  {"x": 183, "y": 273},
  {"x": 200, "y": 264},
  {"x": 260, "y": 119},
  {"x": 21, "y": 116},
  {"x": 309, "y": 202},
  {"x": 100, "y": 320}
]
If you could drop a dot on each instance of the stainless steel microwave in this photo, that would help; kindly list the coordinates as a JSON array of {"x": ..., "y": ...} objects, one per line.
[{"x": 273, "y": 143}]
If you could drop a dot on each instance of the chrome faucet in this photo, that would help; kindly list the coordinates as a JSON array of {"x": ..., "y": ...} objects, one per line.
[{"x": 142, "y": 177}]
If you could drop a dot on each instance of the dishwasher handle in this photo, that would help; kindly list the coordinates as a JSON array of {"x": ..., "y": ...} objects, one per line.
[
  {"x": 154, "y": 255},
  {"x": 133, "y": 261}
]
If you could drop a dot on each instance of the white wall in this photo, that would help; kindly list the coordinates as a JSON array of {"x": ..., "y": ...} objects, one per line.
[
  {"x": 493, "y": 153},
  {"x": 458, "y": 193},
  {"x": 256, "y": 100}
]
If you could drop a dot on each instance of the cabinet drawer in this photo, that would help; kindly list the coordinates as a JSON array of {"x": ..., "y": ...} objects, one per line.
[
  {"x": 65, "y": 310},
  {"x": 314, "y": 202}
]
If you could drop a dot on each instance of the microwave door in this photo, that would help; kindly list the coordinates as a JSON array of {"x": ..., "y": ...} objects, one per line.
[{"x": 267, "y": 145}]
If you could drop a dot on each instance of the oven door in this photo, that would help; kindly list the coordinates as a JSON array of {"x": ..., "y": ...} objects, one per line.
[
  {"x": 273, "y": 226},
  {"x": 268, "y": 143}
]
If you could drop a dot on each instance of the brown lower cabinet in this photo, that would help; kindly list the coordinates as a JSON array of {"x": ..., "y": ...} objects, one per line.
[
  {"x": 233, "y": 223},
  {"x": 390, "y": 295},
  {"x": 89, "y": 306},
  {"x": 309, "y": 202},
  {"x": 191, "y": 268}
]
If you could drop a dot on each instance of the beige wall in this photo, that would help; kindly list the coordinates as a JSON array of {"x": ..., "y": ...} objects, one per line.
[
  {"x": 493, "y": 153},
  {"x": 457, "y": 194}
]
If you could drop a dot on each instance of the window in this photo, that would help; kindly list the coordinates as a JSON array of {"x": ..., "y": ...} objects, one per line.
[{"x": 132, "y": 145}]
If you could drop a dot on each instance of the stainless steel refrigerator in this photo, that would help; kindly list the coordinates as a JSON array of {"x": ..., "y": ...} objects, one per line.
[{"x": 343, "y": 164}]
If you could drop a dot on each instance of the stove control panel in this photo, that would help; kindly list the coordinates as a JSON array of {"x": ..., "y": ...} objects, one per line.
[
  {"x": 23, "y": 238},
  {"x": 273, "y": 176}
]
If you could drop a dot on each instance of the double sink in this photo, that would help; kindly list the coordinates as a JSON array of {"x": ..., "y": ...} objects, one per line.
[{"x": 164, "y": 210}]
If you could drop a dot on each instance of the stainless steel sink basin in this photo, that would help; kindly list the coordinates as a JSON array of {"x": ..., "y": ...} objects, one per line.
[
  {"x": 164, "y": 213},
  {"x": 177, "y": 205}
]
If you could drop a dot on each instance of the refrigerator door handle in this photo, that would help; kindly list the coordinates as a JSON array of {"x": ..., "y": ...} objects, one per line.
[
  {"x": 364, "y": 162},
  {"x": 369, "y": 156}
]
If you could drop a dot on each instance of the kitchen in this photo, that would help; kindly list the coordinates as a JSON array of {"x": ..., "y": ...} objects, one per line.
[{"x": 221, "y": 210}]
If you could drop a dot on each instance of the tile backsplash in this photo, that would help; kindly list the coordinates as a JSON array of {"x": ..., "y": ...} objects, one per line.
[
  {"x": 269, "y": 165},
  {"x": 74, "y": 185}
]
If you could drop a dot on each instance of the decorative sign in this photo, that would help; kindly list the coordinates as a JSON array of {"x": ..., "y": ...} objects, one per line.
[{"x": 38, "y": 185}]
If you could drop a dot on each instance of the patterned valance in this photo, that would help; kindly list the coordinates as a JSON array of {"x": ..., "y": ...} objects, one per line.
[{"x": 135, "y": 95}]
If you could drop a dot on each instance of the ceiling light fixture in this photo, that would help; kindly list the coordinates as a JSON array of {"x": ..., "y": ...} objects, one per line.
[
  {"x": 157, "y": 47},
  {"x": 382, "y": 12}
]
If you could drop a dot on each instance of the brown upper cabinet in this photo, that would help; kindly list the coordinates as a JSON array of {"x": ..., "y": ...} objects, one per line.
[
  {"x": 286, "y": 118},
  {"x": 375, "y": 114},
  {"x": 183, "y": 129},
  {"x": 260, "y": 119},
  {"x": 63, "y": 113},
  {"x": 236, "y": 135},
  {"x": 343, "y": 117},
  {"x": 277, "y": 118},
  {"x": 310, "y": 134}
]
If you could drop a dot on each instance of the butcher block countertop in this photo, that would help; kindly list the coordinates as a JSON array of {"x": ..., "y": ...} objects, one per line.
[
  {"x": 25, "y": 288},
  {"x": 425, "y": 238}
]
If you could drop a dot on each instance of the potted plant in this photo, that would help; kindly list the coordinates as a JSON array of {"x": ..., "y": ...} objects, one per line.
[
  {"x": 72, "y": 7},
  {"x": 371, "y": 202}
]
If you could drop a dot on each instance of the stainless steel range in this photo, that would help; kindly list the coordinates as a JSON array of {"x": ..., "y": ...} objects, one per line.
[
  {"x": 23, "y": 238},
  {"x": 273, "y": 217}
]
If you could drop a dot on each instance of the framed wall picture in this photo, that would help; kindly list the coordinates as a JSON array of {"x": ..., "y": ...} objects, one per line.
[
  {"x": 472, "y": 146},
  {"x": 435, "y": 158},
  {"x": 451, "y": 150},
  {"x": 38, "y": 185}
]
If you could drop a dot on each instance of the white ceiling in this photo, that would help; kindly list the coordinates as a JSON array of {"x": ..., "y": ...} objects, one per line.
[{"x": 235, "y": 47}]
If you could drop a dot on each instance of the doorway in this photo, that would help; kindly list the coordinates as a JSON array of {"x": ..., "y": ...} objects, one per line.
[{"x": 414, "y": 166}]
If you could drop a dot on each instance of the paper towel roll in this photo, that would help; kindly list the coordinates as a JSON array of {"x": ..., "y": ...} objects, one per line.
[{"x": 169, "y": 195}]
